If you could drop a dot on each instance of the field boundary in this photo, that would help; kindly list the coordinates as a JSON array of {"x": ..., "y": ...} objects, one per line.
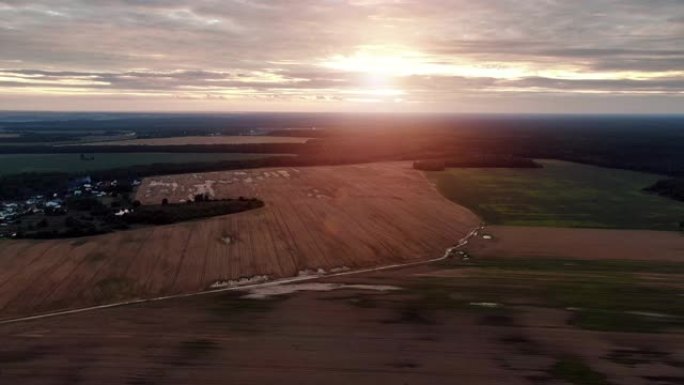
[{"x": 461, "y": 243}]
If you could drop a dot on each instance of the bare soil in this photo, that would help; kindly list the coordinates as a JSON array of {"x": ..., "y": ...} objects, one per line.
[{"x": 572, "y": 243}]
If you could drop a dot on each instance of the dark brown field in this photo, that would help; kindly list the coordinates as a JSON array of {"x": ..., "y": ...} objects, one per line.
[
  {"x": 329, "y": 218},
  {"x": 336, "y": 337}
]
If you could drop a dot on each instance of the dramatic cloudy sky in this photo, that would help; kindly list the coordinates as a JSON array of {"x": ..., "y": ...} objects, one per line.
[{"x": 343, "y": 55}]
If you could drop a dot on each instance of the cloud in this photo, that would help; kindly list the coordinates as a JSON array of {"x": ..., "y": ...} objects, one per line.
[{"x": 443, "y": 50}]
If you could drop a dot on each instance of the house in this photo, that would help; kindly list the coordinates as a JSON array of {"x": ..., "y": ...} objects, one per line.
[
  {"x": 78, "y": 182},
  {"x": 53, "y": 204}
]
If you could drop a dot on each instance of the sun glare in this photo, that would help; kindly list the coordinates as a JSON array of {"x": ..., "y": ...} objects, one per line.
[
  {"x": 385, "y": 62},
  {"x": 382, "y": 62},
  {"x": 378, "y": 68}
]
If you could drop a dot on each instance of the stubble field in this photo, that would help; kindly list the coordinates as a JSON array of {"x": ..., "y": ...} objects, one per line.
[{"x": 329, "y": 218}]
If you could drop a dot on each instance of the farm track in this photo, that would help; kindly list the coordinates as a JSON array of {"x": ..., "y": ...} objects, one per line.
[{"x": 327, "y": 218}]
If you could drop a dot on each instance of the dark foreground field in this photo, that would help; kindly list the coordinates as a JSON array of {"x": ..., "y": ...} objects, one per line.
[{"x": 486, "y": 321}]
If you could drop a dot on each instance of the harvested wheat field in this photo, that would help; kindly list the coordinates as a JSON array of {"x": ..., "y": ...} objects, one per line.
[
  {"x": 194, "y": 140},
  {"x": 571, "y": 243},
  {"x": 329, "y": 218}
]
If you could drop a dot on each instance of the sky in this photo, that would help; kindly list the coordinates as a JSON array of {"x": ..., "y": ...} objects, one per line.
[{"x": 460, "y": 56}]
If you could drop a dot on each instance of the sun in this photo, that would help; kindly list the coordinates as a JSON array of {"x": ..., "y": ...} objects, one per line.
[
  {"x": 383, "y": 72},
  {"x": 380, "y": 61},
  {"x": 393, "y": 61},
  {"x": 379, "y": 69}
]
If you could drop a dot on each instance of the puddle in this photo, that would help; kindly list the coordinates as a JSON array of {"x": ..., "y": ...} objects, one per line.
[
  {"x": 269, "y": 291},
  {"x": 239, "y": 282}
]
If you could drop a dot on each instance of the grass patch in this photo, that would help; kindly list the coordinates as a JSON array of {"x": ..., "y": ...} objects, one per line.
[
  {"x": 607, "y": 285},
  {"x": 432, "y": 295},
  {"x": 608, "y": 295},
  {"x": 615, "y": 296},
  {"x": 574, "y": 371},
  {"x": 561, "y": 194},
  {"x": 464, "y": 292}
]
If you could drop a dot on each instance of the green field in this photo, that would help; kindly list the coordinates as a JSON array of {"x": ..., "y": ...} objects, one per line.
[
  {"x": 18, "y": 163},
  {"x": 561, "y": 194},
  {"x": 604, "y": 295}
]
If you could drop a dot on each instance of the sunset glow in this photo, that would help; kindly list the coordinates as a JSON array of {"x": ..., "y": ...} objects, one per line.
[{"x": 431, "y": 55}]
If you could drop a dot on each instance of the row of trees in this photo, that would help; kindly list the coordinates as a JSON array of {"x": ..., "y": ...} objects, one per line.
[
  {"x": 88, "y": 216},
  {"x": 167, "y": 213},
  {"x": 670, "y": 188}
]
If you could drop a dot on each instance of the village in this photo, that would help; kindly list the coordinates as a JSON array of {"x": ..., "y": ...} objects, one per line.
[{"x": 40, "y": 210}]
